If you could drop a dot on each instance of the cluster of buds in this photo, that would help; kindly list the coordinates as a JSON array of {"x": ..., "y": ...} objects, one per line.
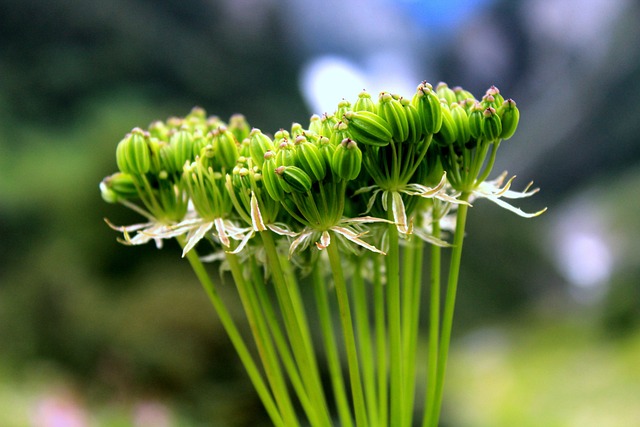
[{"x": 196, "y": 172}]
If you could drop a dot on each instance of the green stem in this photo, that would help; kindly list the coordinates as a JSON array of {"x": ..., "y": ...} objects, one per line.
[
  {"x": 331, "y": 349},
  {"x": 281, "y": 343},
  {"x": 361, "y": 314},
  {"x": 297, "y": 328},
  {"x": 412, "y": 278},
  {"x": 348, "y": 334},
  {"x": 395, "y": 325},
  {"x": 449, "y": 308},
  {"x": 263, "y": 341},
  {"x": 434, "y": 324},
  {"x": 381, "y": 340},
  {"x": 234, "y": 335}
]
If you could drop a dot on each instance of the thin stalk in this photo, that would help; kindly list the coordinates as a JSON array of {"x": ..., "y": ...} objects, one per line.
[
  {"x": 381, "y": 340},
  {"x": 280, "y": 341},
  {"x": 449, "y": 308},
  {"x": 361, "y": 314},
  {"x": 395, "y": 325},
  {"x": 348, "y": 335},
  {"x": 411, "y": 310},
  {"x": 434, "y": 323},
  {"x": 234, "y": 335},
  {"x": 263, "y": 341},
  {"x": 331, "y": 349},
  {"x": 297, "y": 328}
]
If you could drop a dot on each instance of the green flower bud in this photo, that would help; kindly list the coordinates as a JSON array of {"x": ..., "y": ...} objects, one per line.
[
  {"x": 459, "y": 115},
  {"x": 297, "y": 179},
  {"x": 444, "y": 92},
  {"x": 159, "y": 130},
  {"x": 296, "y": 130},
  {"x": 340, "y": 132},
  {"x": 343, "y": 107},
  {"x": 509, "y": 116},
  {"x": 368, "y": 128},
  {"x": 200, "y": 140},
  {"x": 116, "y": 187},
  {"x": 132, "y": 154},
  {"x": 239, "y": 126},
  {"x": 270, "y": 178},
  {"x": 391, "y": 110},
  {"x": 181, "y": 144},
  {"x": 315, "y": 124},
  {"x": 347, "y": 160},
  {"x": 414, "y": 121},
  {"x": 328, "y": 123},
  {"x": 326, "y": 150},
  {"x": 475, "y": 120},
  {"x": 495, "y": 93},
  {"x": 310, "y": 160},
  {"x": 225, "y": 148},
  {"x": 463, "y": 95},
  {"x": 448, "y": 132},
  {"x": 285, "y": 153},
  {"x": 428, "y": 105},
  {"x": 491, "y": 124},
  {"x": 364, "y": 103},
  {"x": 259, "y": 144}
]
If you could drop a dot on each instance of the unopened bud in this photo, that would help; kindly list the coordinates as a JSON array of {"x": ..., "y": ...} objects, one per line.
[
  {"x": 297, "y": 179},
  {"x": 347, "y": 160},
  {"x": 509, "y": 116},
  {"x": 391, "y": 110},
  {"x": 491, "y": 124},
  {"x": 428, "y": 105},
  {"x": 133, "y": 154}
]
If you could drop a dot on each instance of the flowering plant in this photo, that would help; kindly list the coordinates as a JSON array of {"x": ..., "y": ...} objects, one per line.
[{"x": 345, "y": 204}]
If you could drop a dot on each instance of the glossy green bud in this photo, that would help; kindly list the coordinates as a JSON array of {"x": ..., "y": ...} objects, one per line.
[
  {"x": 297, "y": 179},
  {"x": 116, "y": 187},
  {"x": 461, "y": 119},
  {"x": 285, "y": 153},
  {"x": 445, "y": 92},
  {"x": 315, "y": 124},
  {"x": 497, "y": 96},
  {"x": 181, "y": 144},
  {"x": 270, "y": 178},
  {"x": 343, "y": 107},
  {"x": 239, "y": 126},
  {"x": 296, "y": 130},
  {"x": 509, "y": 116},
  {"x": 340, "y": 132},
  {"x": 310, "y": 160},
  {"x": 364, "y": 103},
  {"x": 463, "y": 95},
  {"x": 327, "y": 124},
  {"x": 448, "y": 133},
  {"x": 132, "y": 154},
  {"x": 428, "y": 105},
  {"x": 347, "y": 160},
  {"x": 390, "y": 109},
  {"x": 326, "y": 150},
  {"x": 491, "y": 124},
  {"x": 259, "y": 144},
  {"x": 414, "y": 121},
  {"x": 368, "y": 128},
  {"x": 225, "y": 148},
  {"x": 475, "y": 120},
  {"x": 159, "y": 130}
]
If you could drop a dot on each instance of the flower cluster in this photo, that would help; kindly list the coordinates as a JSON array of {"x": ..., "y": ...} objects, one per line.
[
  {"x": 201, "y": 177},
  {"x": 355, "y": 185}
]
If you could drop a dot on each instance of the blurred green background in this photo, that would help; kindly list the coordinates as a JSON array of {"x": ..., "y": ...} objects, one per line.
[{"x": 96, "y": 334}]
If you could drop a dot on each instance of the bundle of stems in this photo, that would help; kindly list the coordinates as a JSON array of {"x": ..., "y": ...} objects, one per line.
[{"x": 323, "y": 230}]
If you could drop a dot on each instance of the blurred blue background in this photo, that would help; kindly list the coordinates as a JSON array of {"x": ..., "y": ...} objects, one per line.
[{"x": 96, "y": 334}]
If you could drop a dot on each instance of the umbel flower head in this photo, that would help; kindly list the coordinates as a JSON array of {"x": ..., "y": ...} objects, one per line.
[{"x": 334, "y": 182}]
